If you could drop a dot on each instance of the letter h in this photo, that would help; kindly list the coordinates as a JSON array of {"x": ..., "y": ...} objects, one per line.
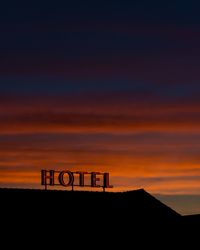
[{"x": 45, "y": 177}]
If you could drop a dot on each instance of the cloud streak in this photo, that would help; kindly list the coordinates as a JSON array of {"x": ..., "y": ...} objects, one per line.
[{"x": 77, "y": 113}]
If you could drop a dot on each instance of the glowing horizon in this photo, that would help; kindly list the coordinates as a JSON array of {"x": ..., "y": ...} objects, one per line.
[{"x": 148, "y": 145}]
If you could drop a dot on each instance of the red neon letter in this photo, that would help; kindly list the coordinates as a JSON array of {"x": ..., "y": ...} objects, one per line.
[
  {"x": 45, "y": 177},
  {"x": 81, "y": 178},
  {"x": 61, "y": 178},
  {"x": 106, "y": 181},
  {"x": 94, "y": 179}
]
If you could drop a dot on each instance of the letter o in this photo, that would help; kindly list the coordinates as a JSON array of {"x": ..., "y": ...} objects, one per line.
[{"x": 61, "y": 178}]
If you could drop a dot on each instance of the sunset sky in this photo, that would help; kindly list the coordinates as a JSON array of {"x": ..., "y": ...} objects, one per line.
[{"x": 108, "y": 86}]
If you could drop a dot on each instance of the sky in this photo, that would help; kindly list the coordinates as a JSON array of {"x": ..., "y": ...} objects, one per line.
[{"x": 110, "y": 86}]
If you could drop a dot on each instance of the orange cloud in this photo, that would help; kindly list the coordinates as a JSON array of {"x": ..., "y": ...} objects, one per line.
[
  {"x": 157, "y": 142},
  {"x": 97, "y": 113}
]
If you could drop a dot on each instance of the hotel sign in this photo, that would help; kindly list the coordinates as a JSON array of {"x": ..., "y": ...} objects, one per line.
[{"x": 71, "y": 179}]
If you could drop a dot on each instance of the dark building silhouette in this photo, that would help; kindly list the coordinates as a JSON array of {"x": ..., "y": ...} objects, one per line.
[{"x": 133, "y": 217}]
